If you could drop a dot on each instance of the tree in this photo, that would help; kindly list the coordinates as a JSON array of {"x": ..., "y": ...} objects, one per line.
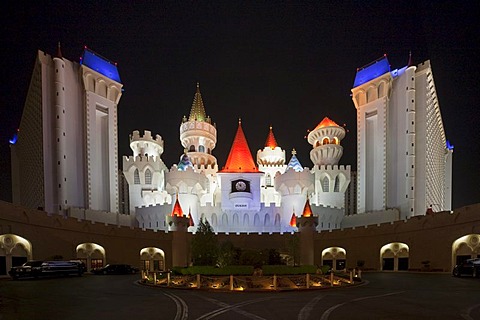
[
  {"x": 293, "y": 248},
  {"x": 204, "y": 245},
  {"x": 227, "y": 254}
]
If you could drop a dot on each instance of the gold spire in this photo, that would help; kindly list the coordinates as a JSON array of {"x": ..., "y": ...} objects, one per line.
[{"x": 197, "y": 113}]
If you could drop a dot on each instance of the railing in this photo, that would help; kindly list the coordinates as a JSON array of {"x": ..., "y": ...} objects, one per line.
[{"x": 243, "y": 283}]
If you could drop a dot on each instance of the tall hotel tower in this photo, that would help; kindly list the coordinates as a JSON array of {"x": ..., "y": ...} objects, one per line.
[
  {"x": 66, "y": 152},
  {"x": 404, "y": 160}
]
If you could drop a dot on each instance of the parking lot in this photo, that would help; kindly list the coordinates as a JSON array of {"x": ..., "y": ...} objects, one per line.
[{"x": 383, "y": 296}]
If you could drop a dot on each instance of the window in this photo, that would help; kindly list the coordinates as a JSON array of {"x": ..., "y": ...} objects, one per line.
[
  {"x": 325, "y": 183},
  {"x": 148, "y": 177},
  {"x": 201, "y": 148},
  {"x": 136, "y": 177},
  {"x": 325, "y": 141},
  {"x": 268, "y": 180},
  {"x": 336, "y": 188}
]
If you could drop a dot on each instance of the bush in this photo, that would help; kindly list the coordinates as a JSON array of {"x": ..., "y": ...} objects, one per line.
[
  {"x": 283, "y": 269},
  {"x": 213, "y": 271}
]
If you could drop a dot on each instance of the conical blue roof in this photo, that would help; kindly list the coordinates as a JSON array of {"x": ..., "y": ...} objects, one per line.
[
  {"x": 294, "y": 163},
  {"x": 184, "y": 163}
]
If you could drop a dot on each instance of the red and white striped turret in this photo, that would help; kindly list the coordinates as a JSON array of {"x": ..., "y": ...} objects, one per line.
[{"x": 325, "y": 139}]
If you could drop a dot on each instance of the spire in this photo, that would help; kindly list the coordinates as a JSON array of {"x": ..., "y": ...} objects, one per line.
[
  {"x": 177, "y": 210},
  {"x": 307, "y": 210},
  {"x": 240, "y": 158},
  {"x": 190, "y": 219},
  {"x": 197, "y": 113},
  {"x": 184, "y": 162},
  {"x": 271, "y": 142},
  {"x": 294, "y": 163},
  {"x": 59, "y": 51},
  {"x": 293, "y": 220},
  {"x": 410, "y": 62}
]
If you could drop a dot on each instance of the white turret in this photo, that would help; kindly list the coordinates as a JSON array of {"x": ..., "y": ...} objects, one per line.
[
  {"x": 325, "y": 139},
  {"x": 271, "y": 161},
  {"x": 146, "y": 146},
  {"x": 145, "y": 171},
  {"x": 197, "y": 135}
]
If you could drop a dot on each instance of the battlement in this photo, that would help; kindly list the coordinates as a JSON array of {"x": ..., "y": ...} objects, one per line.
[
  {"x": 197, "y": 168},
  {"x": 330, "y": 167},
  {"x": 141, "y": 158},
  {"x": 147, "y": 136}
]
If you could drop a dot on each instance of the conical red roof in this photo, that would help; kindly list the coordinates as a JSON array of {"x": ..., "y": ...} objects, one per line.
[
  {"x": 240, "y": 158},
  {"x": 271, "y": 141},
  {"x": 190, "y": 220},
  {"x": 177, "y": 210},
  {"x": 307, "y": 210},
  {"x": 293, "y": 220},
  {"x": 326, "y": 122}
]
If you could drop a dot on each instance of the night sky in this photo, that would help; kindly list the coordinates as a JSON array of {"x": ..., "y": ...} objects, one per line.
[{"x": 284, "y": 64}]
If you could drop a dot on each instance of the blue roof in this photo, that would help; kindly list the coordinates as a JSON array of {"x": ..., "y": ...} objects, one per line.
[
  {"x": 294, "y": 164},
  {"x": 449, "y": 145},
  {"x": 184, "y": 163},
  {"x": 371, "y": 71},
  {"x": 98, "y": 63}
]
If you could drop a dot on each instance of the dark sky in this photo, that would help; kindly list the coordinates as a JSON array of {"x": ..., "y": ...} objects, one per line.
[{"x": 285, "y": 64}]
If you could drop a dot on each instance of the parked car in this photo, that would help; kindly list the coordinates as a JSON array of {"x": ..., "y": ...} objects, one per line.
[
  {"x": 40, "y": 268},
  {"x": 116, "y": 269},
  {"x": 469, "y": 267}
]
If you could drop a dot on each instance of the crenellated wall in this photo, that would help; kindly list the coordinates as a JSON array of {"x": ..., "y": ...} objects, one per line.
[{"x": 58, "y": 235}]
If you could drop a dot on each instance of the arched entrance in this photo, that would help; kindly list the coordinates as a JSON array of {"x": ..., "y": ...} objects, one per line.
[
  {"x": 465, "y": 247},
  {"x": 394, "y": 257},
  {"x": 335, "y": 257},
  {"x": 92, "y": 254},
  {"x": 153, "y": 259},
  {"x": 14, "y": 251}
]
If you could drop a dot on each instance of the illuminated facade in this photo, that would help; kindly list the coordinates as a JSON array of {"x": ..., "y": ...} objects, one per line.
[
  {"x": 66, "y": 153},
  {"x": 404, "y": 160},
  {"x": 245, "y": 196},
  {"x": 65, "y": 159}
]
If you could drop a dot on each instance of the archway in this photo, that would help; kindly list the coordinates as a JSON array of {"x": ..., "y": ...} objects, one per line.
[
  {"x": 465, "y": 247},
  {"x": 153, "y": 259},
  {"x": 394, "y": 256},
  {"x": 335, "y": 257},
  {"x": 14, "y": 251},
  {"x": 92, "y": 254}
]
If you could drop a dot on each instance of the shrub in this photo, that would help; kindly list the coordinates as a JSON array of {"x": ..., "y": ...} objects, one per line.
[
  {"x": 225, "y": 271},
  {"x": 283, "y": 269}
]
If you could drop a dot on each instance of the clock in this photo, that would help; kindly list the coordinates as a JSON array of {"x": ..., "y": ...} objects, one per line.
[{"x": 240, "y": 186}]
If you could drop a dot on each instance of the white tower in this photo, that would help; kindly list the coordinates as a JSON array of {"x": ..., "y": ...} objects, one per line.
[
  {"x": 145, "y": 171},
  {"x": 197, "y": 134},
  {"x": 271, "y": 161},
  {"x": 331, "y": 180},
  {"x": 403, "y": 161},
  {"x": 102, "y": 95}
]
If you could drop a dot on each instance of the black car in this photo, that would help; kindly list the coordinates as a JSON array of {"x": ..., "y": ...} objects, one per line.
[
  {"x": 469, "y": 267},
  {"x": 116, "y": 269},
  {"x": 39, "y": 268}
]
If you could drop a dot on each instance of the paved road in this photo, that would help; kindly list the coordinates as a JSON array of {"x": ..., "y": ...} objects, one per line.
[{"x": 383, "y": 296}]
